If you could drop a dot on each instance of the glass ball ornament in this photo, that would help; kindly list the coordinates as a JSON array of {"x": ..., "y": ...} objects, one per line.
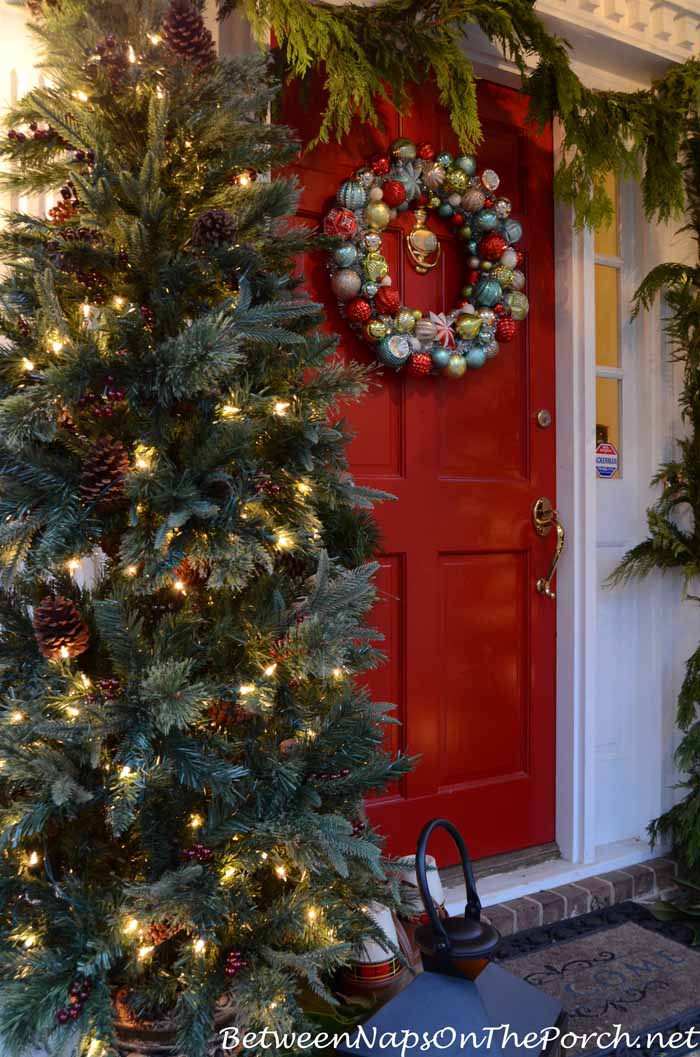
[
  {"x": 346, "y": 284},
  {"x": 509, "y": 257},
  {"x": 445, "y": 210},
  {"x": 376, "y": 329},
  {"x": 467, "y": 163},
  {"x": 372, "y": 241},
  {"x": 486, "y": 220},
  {"x": 486, "y": 315},
  {"x": 455, "y": 200},
  {"x": 351, "y": 194},
  {"x": 370, "y": 289},
  {"x": 433, "y": 176},
  {"x": 518, "y": 304},
  {"x": 492, "y": 349},
  {"x": 512, "y": 230},
  {"x": 345, "y": 255},
  {"x": 456, "y": 180},
  {"x": 365, "y": 177},
  {"x": 444, "y": 158},
  {"x": 487, "y": 292},
  {"x": 434, "y": 201},
  {"x": 503, "y": 207},
  {"x": 394, "y": 350},
  {"x": 476, "y": 357},
  {"x": 518, "y": 280},
  {"x": 504, "y": 275},
  {"x": 487, "y": 333},
  {"x": 405, "y": 321},
  {"x": 375, "y": 266},
  {"x": 403, "y": 149},
  {"x": 456, "y": 366},
  {"x": 490, "y": 179},
  {"x": 426, "y": 331},
  {"x": 440, "y": 356},
  {"x": 377, "y": 214},
  {"x": 473, "y": 200},
  {"x": 376, "y": 194}
]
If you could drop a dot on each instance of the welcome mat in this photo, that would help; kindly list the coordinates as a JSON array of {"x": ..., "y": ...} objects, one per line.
[{"x": 618, "y": 971}]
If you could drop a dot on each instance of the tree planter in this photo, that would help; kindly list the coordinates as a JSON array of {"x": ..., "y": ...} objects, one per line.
[{"x": 157, "y": 1038}]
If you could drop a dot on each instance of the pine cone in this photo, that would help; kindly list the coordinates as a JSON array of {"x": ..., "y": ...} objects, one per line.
[
  {"x": 185, "y": 33},
  {"x": 216, "y": 227},
  {"x": 104, "y": 469},
  {"x": 160, "y": 931},
  {"x": 59, "y": 629}
]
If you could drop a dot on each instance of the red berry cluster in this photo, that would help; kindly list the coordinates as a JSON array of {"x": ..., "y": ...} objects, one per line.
[
  {"x": 77, "y": 997},
  {"x": 101, "y": 405},
  {"x": 328, "y": 776},
  {"x": 147, "y": 316},
  {"x": 234, "y": 963},
  {"x": 358, "y": 827},
  {"x": 197, "y": 853},
  {"x": 45, "y": 134},
  {"x": 111, "y": 688},
  {"x": 23, "y": 327},
  {"x": 265, "y": 485},
  {"x": 111, "y": 57}
]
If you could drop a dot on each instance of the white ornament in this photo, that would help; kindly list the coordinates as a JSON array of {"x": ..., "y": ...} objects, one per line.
[
  {"x": 490, "y": 179},
  {"x": 518, "y": 280},
  {"x": 509, "y": 257},
  {"x": 376, "y": 194},
  {"x": 455, "y": 200}
]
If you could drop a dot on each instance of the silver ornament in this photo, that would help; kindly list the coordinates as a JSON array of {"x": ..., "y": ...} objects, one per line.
[
  {"x": 365, "y": 177},
  {"x": 490, "y": 179},
  {"x": 509, "y": 257},
  {"x": 473, "y": 200},
  {"x": 373, "y": 241},
  {"x": 492, "y": 349},
  {"x": 503, "y": 207},
  {"x": 518, "y": 280},
  {"x": 487, "y": 315}
]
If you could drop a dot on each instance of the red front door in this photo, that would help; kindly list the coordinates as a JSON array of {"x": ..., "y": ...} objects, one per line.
[{"x": 470, "y": 643}]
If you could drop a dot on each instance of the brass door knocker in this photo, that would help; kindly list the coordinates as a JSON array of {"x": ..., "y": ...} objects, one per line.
[{"x": 422, "y": 243}]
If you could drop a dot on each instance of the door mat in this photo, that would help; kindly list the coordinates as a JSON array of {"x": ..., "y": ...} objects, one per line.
[{"x": 616, "y": 970}]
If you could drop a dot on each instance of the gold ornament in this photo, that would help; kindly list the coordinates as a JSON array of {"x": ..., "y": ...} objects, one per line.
[
  {"x": 375, "y": 267},
  {"x": 376, "y": 330},
  {"x": 456, "y": 181},
  {"x": 457, "y": 366},
  {"x": 405, "y": 321},
  {"x": 468, "y": 326},
  {"x": 377, "y": 214},
  {"x": 422, "y": 243}
]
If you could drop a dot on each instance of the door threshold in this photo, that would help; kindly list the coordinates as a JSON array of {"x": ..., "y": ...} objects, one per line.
[
  {"x": 510, "y": 862},
  {"x": 524, "y": 880}
]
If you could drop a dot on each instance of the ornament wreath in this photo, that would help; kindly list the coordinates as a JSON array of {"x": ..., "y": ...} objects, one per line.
[{"x": 415, "y": 176}]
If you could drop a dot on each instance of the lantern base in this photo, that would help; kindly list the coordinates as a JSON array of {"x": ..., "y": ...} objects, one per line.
[{"x": 496, "y": 1006}]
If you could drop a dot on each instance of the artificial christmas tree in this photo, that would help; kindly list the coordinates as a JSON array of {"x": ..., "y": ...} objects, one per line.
[{"x": 184, "y": 747}]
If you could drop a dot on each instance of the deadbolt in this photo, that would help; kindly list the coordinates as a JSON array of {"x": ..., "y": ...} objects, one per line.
[{"x": 544, "y": 418}]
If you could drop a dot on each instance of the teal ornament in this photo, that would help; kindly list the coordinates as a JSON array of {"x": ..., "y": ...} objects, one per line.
[
  {"x": 476, "y": 357},
  {"x": 394, "y": 350},
  {"x": 345, "y": 255},
  {"x": 512, "y": 230},
  {"x": 487, "y": 292},
  {"x": 369, "y": 289},
  {"x": 518, "y": 304},
  {"x": 410, "y": 178},
  {"x": 440, "y": 356},
  {"x": 467, "y": 163},
  {"x": 402, "y": 207},
  {"x": 445, "y": 210},
  {"x": 444, "y": 158},
  {"x": 351, "y": 195},
  {"x": 487, "y": 220},
  {"x": 472, "y": 247}
]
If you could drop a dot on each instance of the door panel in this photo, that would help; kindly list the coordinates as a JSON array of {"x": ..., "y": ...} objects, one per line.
[{"x": 470, "y": 644}]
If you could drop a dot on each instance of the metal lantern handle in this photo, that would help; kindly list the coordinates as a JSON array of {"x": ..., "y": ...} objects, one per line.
[{"x": 473, "y": 907}]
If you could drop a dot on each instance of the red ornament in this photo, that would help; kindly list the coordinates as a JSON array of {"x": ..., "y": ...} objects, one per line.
[
  {"x": 473, "y": 277},
  {"x": 457, "y": 220},
  {"x": 387, "y": 301},
  {"x": 380, "y": 164},
  {"x": 521, "y": 258},
  {"x": 499, "y": 309},
  {"x": 426, "y": 151},
  {"x": 359, "y": 310},
  {"x": 341, "y": 222},
  {"x": 488, "y": 202},
  {"x": 394, "y": 193},
  {"x": 505, "y": 329},
  {"x": 420, "y": 363},
  {"x": 492, "y": 246}
]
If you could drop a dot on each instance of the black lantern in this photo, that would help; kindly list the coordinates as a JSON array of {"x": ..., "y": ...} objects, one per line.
[{"x": 460, "y": 946}]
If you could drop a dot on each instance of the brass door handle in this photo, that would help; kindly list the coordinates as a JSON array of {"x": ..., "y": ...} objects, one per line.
[{"x": 544, "y": 519}]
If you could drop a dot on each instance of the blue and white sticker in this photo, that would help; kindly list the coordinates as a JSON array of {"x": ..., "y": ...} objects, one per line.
[{"x": 607, "y": 460}]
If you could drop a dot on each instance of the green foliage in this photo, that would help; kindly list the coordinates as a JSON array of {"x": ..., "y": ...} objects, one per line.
[{"x": 223, "y": 576}]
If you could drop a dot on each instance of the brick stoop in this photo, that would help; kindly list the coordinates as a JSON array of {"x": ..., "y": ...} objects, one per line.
[{"x": 650, "y": 879}]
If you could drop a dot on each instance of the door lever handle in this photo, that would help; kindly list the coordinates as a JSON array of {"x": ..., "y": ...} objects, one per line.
[{"x": 544, "y": 519}]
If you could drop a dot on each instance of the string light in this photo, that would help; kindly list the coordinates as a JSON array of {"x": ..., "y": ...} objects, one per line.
[
  {"x": 33, "y": 859},
  {"x": 56, "y": 345},
  {"x": 247, "y": 688},
  {"x": 131, "y": 570},
  {"x": 154, "y": 38},
  {"x": 228, "y": 873},
  {"x": 72, "y": 711},
  {"x": 73, "y": 565},
  {"x": 130, "y": 925},
  {"x": 119, "y": 301},
  {"x": 143, "y": 457},
  {"x": 337, "y": 673},
  {"x": 284, "y": 541},
  {"x": 312, "y": 913},
  {"x": 180, "y": 586},
  {"x": 229, "y": 410},
  {"x": 85, "y": 680},
  {"x": 125, "y": 771},
  {"x": 270, "y": 670},
  {"x": 64, "y": 653},
  {"x": 86, "y": 309},
  {"x": 303, "y": 488},
  {"x": 199, "y": 946},
  {"x": 281, "y": 873},
  {"x": 27, "y": 364},
  {"x": 16, "y": 716},
  {"x": 82, "y": 96},
  {"x": 195, "y": 821},
  {"x": 281, "y": 407},
  {"x": 131, "y": 53},
  {"x": 29, "y": 940},
  {"x": 144, "y": 952}
]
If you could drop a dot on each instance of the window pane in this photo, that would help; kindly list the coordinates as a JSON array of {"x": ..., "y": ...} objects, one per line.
[
  {"x": 608, "y": 414},
  {"x": 607, "y": 316},
  {"x": 607, "y": 239}
]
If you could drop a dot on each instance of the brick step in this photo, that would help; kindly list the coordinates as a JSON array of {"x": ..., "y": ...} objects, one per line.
[{"x": 653, "y": 878}]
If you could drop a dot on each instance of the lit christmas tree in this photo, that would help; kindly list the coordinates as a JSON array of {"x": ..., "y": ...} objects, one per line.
[{"x": 184, "y": 747}]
